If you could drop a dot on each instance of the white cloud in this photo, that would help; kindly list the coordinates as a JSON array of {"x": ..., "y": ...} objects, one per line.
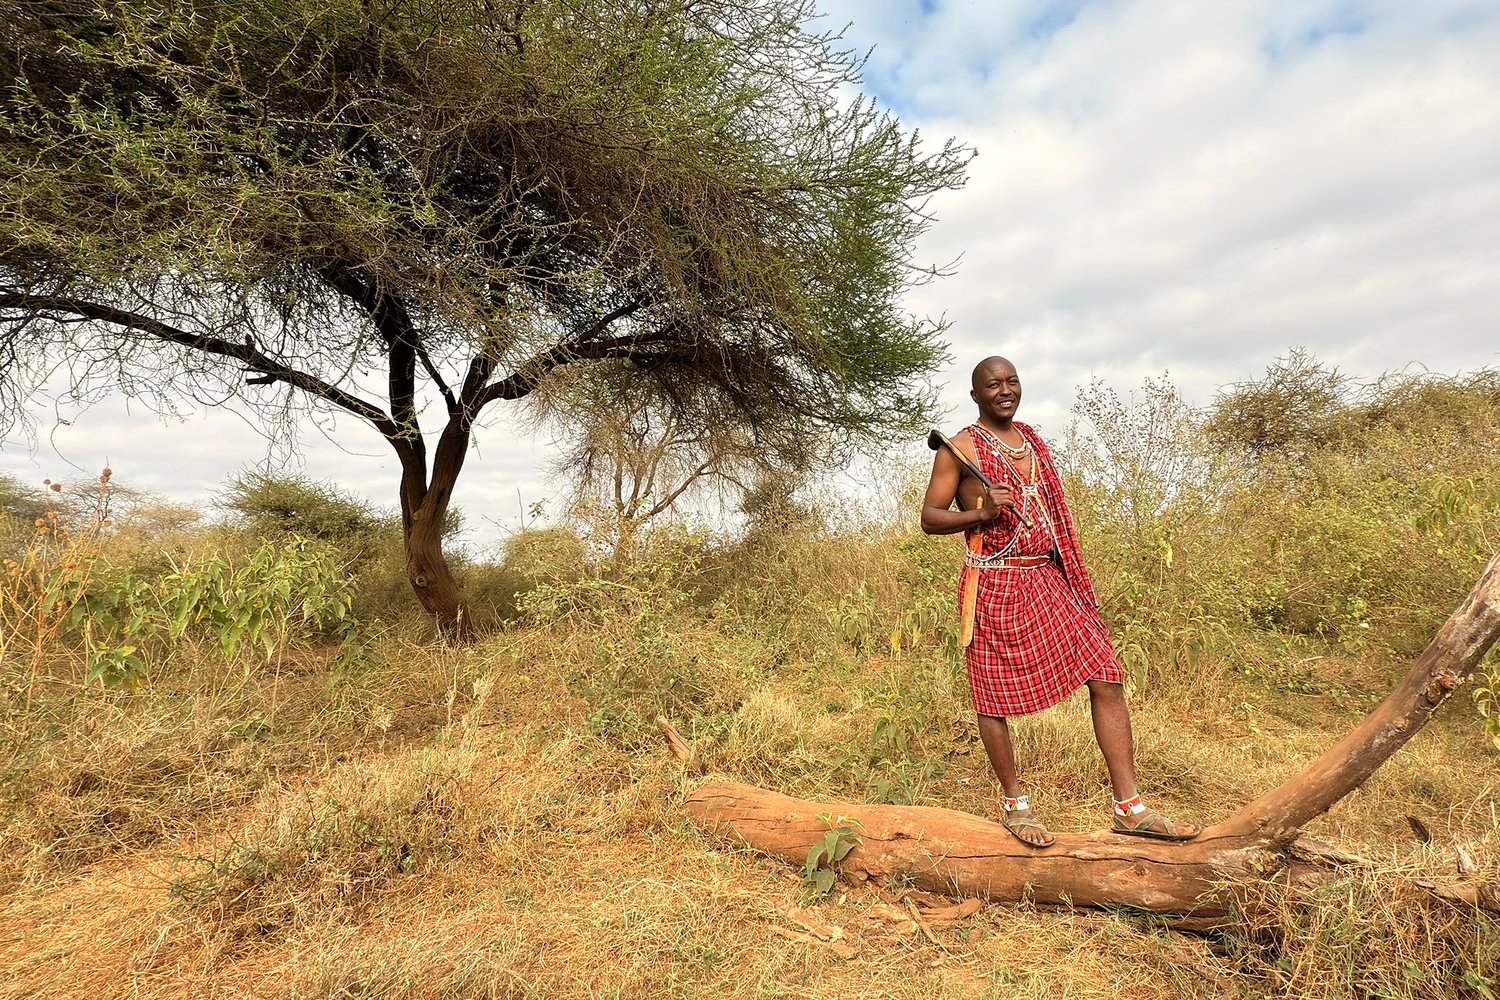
[
  {"x": 1161, "y": 185},
  {"x": 1199, "y": 187}
]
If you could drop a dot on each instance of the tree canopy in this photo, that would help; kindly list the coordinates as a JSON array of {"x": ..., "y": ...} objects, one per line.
[{"x": 392, "y": 208}]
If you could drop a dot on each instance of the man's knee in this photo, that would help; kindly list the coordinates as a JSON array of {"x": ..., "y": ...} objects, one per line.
[
  {"x": 993, "y": 727},
  {"x": 1106, "y": 690}
]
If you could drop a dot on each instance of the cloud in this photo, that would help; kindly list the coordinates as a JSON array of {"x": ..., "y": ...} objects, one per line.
[
  {"x": 1162, "y": 185},
  {"x": 1200, "y": 187}
]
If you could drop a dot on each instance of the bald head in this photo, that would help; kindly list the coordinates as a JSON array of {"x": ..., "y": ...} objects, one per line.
[
  {"x": 997, "y": 390},
  {"x": 983, "y": 369}
]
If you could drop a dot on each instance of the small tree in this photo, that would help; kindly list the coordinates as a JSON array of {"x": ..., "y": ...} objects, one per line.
[
  {"x": 420, "y": 209},
  {"x": 20, "y": 502},
  {"x": 635, "y": 456},
  {"x": 1287, "y": 413},
  {"x": 296, "y": 505}
]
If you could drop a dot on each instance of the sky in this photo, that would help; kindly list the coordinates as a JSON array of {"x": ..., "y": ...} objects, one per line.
[{"x": 1160, "y": 187}]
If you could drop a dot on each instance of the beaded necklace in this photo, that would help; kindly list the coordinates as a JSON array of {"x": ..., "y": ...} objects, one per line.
[
  {"x": 1015, "y": 453},
  {"x": 1013, "y": 457},
  {"x": 1030, "y": 494}
]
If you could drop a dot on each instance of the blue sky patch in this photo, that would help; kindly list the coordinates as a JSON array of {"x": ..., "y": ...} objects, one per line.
[
  {"x": 1348, "y": 20},
  {"x": 1054, "y": 18}
]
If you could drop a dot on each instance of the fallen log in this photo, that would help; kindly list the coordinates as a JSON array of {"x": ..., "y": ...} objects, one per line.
[{"x": 952, "y": 852}]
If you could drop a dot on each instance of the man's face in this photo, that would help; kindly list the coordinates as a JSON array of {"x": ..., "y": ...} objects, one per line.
[{"x": 997, "y": 390}]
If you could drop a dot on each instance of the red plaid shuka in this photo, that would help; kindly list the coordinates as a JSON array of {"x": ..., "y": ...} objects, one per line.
[{"x": 1037, "y": 631}]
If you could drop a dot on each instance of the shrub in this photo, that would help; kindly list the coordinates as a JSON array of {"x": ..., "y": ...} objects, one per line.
[{"x": 277, "y": 506}]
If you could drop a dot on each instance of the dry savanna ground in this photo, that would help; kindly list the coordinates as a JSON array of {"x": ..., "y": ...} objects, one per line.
[
  {"x": 239, "y": 771},
  {"x": 463, "y": 823}
]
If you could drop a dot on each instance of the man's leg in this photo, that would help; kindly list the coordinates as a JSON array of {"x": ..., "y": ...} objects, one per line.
[
  {"x": 1112, "y": 730},
  {"x": 995, "y": 735}
]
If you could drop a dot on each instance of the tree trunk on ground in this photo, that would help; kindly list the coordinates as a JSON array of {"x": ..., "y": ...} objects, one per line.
[{"x": 942, "y": 850}]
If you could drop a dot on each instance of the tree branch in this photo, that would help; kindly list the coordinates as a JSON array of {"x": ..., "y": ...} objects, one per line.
[
  {"x": 682, "y": 487},
  {"x": 581, "y": 347},
  {"x": 394, "y": 324},
  {"x": 437, "y": 379},
  {"x": 1449, "y": 659},
  {"x": 252, "y": 357}
]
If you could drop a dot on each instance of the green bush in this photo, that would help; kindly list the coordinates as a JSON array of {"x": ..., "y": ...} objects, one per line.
[
  {"x": 277, "y": 506},
  {"x": 279, "y": 596}
]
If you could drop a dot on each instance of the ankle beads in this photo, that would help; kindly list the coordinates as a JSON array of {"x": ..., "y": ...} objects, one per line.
[
  {"x": 1130, "y": 807},
  {"x": 1020, "y": 802}
]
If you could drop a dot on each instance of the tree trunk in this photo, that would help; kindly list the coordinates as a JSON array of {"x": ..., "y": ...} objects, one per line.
[
  {"x": 432, "y": 580},
  {"x": 424, "y": 510},
  {"x": 942, "y": 850}
]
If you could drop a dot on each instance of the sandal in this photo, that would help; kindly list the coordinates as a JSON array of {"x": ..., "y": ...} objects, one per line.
[
  {"x": 1016, "y": 823},
  {"x": 1171, "y": 829}
]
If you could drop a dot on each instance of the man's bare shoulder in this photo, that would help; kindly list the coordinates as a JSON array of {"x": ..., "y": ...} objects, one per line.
[{"x": 964, "y": 442}]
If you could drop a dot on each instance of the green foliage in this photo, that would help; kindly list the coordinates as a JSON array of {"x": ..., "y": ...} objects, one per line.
[
  {"x": 20, "y": 504},
  {"x": 853, "y": 620},
  {"x": 774, "y": 511},
  {"x": 1366, "y": 531},
  {"x": 279, "y": 596},
  {"x": 1487, "y": 700},
  {"x": 472, "y": 203},
  {"x": 550, "y": 555},
  {"x": 820, "y": 871},
  {"x": 907, "y": 743},
  {"x": 352, "y": 177},
  {"x": 1290, "y": 411},
  {"x": 278, "y": 506}
]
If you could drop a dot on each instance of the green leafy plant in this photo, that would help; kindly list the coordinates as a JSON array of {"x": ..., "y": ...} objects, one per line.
[
  {"x": 819, "y": 872},
  {"x": 44, "y": 586},
  {"x": 1487, "y": 700},
  {"x": 277, "y": 596},
  {"x": 854, "y": 620}
]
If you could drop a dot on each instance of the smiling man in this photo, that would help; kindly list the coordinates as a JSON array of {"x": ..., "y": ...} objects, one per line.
[{"x": 1036, "y": 634}]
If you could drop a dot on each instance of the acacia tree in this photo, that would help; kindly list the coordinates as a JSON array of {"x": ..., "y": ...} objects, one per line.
[
  {"x": 635, "y": 463},
  {"x": 634, "y": 456},
  {"x": 409, "y": 209}
]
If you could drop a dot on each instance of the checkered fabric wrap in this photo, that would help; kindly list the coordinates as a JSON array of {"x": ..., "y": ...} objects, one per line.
[{"x": 1037, "y": 633}]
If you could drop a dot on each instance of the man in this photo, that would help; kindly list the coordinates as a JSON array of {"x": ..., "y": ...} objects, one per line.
[{"x": 1036, "y": 632}]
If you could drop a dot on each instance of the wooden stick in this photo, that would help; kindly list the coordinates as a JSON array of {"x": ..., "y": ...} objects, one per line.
[
  {"x": 676, "y": 745},
  {"x": 971, "y": 587}
]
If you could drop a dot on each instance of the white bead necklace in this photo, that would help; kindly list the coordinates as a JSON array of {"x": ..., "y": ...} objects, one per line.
[{"x": 1015, "y": 453}]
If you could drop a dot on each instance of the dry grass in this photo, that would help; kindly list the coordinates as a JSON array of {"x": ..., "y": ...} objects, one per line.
[
  {"x": 500, "y": 821},
  {"x": 466, "y": 826}
]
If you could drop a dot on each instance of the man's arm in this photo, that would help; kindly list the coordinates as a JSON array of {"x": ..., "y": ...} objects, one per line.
[{"x": 943, "y": 488}]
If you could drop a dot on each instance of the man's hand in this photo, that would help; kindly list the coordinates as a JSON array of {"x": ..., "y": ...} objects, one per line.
[
  {"x": 938, "y": 517},
  {"x": 999, "y": 496}
]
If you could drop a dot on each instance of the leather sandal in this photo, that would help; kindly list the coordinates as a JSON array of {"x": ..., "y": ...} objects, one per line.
[
  {"x": 1171, "y": 829},
  {"x": 1015, "y": 824}
]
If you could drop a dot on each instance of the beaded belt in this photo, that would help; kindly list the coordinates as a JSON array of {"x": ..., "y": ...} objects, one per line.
[{"x": 1010, "y": 562}]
